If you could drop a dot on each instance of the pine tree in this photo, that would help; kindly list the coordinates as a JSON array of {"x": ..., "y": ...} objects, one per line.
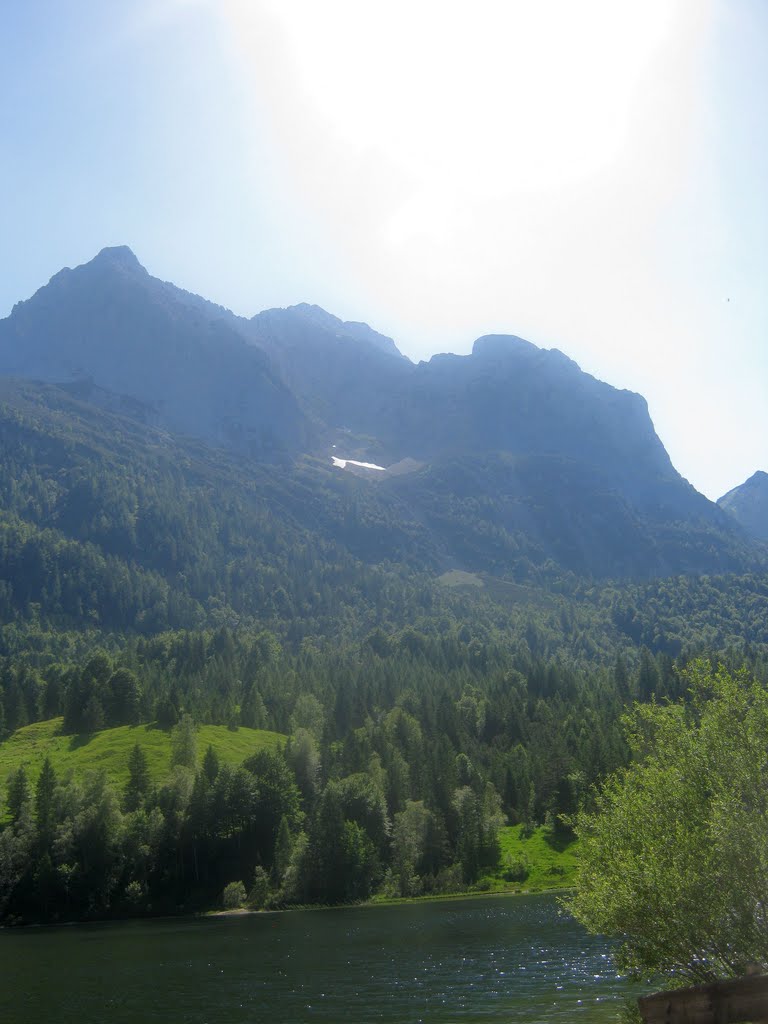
[
  {"x": 45, "y": 793},
  {"x": 184, "y": 743},
  {"x": 211, "y": 764},
  {"x": 19, "y": 793},
  {"x": 138, "y": 783},
  {"x": 283, "y": 850}
]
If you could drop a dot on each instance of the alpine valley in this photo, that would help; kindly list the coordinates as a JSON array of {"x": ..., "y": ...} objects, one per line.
[{"x": 288, "y": 618}]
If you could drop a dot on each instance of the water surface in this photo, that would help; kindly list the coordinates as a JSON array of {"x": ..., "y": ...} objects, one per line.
[{"x": 489, "y": 959}]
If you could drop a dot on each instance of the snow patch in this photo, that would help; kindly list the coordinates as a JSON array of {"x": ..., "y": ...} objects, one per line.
[{"x": 343, "y": 463}]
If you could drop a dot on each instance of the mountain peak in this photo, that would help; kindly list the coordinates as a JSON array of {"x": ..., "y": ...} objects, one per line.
[
  {"x": 502, "y": 345},
  {"x": 748, "y": 503},
  {"x": 757, "y": 482},
  {"x": 118, "y": 256},
  {"x": 315, "y": 312},
  {"x": 319, "y": 318}
]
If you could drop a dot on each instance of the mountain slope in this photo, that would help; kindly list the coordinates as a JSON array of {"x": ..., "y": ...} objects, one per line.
[
  {"x": 177, "y": 359},
  {"x": 335, "y": 368},
  {"x": 508, "y": 458},
  {"x": 109, "y": 522},
  {"x": 109, "y": 749},
  {"x": 748, "y": 504}
]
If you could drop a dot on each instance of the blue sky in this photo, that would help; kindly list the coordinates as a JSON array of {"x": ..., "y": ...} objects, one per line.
[{"x": 589, "y": 176}]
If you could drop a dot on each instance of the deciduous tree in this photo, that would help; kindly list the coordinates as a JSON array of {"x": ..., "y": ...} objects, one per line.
[{"x": 674, "y": 854}]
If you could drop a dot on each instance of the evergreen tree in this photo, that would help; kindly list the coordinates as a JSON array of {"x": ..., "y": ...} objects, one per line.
[
  {"x": 123, "y": 698},
  {"x": 94, "y": 718},
  {"x": 328, "y": 845},
  {"x": 211, "y": 764},
  {"x": 19, "y": 795},
  {"x": 283, "y": 851},
  {"x": 45, "y": 792},
  {"x": 184, "y": 744},
  {"x": 137, "y": 786}
]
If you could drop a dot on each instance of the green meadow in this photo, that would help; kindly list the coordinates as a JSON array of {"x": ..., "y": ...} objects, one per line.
[
  {"x": 109, "y": 749},
  {"x": 532, "y": 861}
]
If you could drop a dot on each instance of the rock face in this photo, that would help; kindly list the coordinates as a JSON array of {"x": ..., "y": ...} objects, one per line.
[
  {"x": 513, "y": 454},
  {"x": 748, "y": 504},
  {"x": 109, "y": 326},
  {"x": 337, "y": 369}
]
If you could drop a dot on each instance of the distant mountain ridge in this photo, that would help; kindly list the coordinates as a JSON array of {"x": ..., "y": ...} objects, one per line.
[{"x": 514, "y": 454}]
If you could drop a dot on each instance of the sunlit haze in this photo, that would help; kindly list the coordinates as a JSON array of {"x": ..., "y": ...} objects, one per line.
[{"x": 588, "y": 176}]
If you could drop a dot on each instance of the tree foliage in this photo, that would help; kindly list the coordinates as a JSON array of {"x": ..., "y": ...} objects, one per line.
[{"x": 674, "y": 854}]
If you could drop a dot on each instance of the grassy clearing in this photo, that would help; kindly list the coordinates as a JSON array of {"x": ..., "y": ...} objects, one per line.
[
  {"x": 542, "y": 860},
  {"x": 539, "y": 861},
  {"x": 109, "y": 749}
]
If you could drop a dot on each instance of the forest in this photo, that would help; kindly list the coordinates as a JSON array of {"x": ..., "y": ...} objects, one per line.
[
  {"x": 148, "y": 581},
  {"x": 403, "y": 756}
]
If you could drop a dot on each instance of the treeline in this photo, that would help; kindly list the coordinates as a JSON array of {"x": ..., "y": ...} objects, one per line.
[
  {"x": 404, "y": 756},
  {"x": 81, "y": 849},
  {"x": 521, "y": 718},
  {"x": 144, "y": 580}
]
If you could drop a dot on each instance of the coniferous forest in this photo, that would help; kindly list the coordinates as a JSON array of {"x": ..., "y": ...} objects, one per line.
[{"x": 413, "y": 662}]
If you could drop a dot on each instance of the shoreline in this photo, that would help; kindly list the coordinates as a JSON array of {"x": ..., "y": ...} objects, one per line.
[
  {"x": 291, "y": 909},
  {"x": 373, "y": 903}
]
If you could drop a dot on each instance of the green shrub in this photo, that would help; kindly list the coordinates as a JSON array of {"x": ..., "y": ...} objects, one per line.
[
  {"x": 134, "y": 893},
  {"x": 516, "y": 869},
  {"x": 233, "y": 896},
  {"x": 257, "y": 897}
]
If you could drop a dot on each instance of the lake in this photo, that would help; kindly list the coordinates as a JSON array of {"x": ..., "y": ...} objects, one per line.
[{"x": 487, "y": 959}]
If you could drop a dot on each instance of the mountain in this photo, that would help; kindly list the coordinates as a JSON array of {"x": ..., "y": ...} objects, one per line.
[
  {"x": 517, "y": 441},
  {"x": 501, "y": 461},
  {"x": 748, "y": 504},
  {"x": 522, "y": 456},
  {"x": 337, "y": 369},
  {"x": 331, "y": 326},
  {"x": 441, "y": 628},
  {"x": 174, "y": 359}
]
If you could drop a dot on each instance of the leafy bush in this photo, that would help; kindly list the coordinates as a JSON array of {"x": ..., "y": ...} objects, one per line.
[
  {"x": 233, "y": 896},
  {"x": 516, "y": 869},
  {"x": 257, "y": 897},
  {"x": 134, "y": 893}
]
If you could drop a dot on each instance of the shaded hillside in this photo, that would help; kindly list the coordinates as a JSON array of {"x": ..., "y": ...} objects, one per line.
[
  {"x": 748, "y": 504},
  {"x": 108, "y": 523},
  {"x": 509, "y": 515},
  {"x": 112, "y": 523},
  {"x": 339, "y": 370}
]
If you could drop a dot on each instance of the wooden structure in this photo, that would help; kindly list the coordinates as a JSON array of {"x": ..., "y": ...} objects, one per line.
[{"x": 735, "y": 1001}]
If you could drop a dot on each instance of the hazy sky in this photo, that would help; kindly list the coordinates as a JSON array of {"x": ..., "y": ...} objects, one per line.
[{"x": 590, "y": 175}]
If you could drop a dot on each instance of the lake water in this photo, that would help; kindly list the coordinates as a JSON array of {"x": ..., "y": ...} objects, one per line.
[{"x": 489, "y": 959}]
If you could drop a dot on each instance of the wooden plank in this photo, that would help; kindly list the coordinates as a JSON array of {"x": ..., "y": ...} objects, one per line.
[{"x": 733, "y": 1001}]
